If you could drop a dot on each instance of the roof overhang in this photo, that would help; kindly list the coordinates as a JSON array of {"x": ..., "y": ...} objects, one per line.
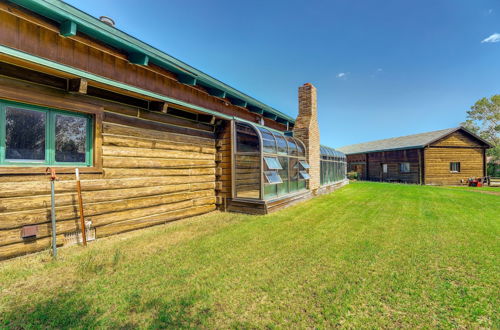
[
  {"x": 72, "y": 20},
  {"x": 461, "y": 128}
]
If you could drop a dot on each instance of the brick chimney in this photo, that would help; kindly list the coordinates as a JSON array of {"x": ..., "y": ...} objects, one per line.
[{"x": 307, "y": 130}]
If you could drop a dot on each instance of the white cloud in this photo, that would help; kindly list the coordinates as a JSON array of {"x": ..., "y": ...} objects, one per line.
[
  {"x": 490, "y": 11},
  {"x": 341, "y": 75},
  {"x": 495, "y": 37}
]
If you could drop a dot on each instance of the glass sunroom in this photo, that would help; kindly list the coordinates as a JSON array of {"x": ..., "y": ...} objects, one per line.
[
  {"x": 333, "y": 166},
  {"x": 267, "y": 164}
]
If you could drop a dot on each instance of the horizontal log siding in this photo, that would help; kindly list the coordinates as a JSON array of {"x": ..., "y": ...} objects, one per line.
[
  {"x": 393, "y": 159},
  {"x": 223, "y": 159},
  {"x": 149, "y": 177},
  {"x": 457, "y": 147}
]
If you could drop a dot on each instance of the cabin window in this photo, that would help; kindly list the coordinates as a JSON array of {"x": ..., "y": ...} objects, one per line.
[
  {"x": 33, "y": 136},
  {"x": 384, "y": 168},
  {"x": 404, "y": 167},
  {"x": 455, "y": 167}
]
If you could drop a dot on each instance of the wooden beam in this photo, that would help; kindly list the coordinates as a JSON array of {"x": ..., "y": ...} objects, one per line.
[
  {"x": 282, "y": 120},
  {"x": 216, "y": 92},
  {"x": 138, "y": 58},
  {"x": 117, "y": 97},
  {"x": 158, "y": 106},
  {"x": 21, "y": 73},
  {"x": 186, "y": 80},
  {"x": 255, "y": 109},
  {"x": 68, "y": 29},
  {"x": 78, "y": 85},
  {"x": 270, "y": 115},
  {"x": 237, "y": 101}
]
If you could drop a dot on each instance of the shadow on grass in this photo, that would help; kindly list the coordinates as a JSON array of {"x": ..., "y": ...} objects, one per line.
[
  {"x": 64, "y": 310},
  {"x": 182, "y": 313}
]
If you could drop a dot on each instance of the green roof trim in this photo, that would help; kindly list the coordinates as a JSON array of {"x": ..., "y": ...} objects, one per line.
[
  {"x": 61, "y": 12},
  {"x": 84, "y": 74},
  {"x": 139, "y": 59},
  {"x": 68, "y": 29}
]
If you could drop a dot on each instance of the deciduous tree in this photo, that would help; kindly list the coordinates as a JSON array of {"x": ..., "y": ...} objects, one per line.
[{"x": 484, "y": 119}]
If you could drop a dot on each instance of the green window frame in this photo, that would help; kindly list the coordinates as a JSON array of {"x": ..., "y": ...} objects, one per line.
[{"x": 50, "y": 137}]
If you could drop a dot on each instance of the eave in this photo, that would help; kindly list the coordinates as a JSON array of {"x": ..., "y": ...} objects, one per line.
[{"x": 138, "y": 51}]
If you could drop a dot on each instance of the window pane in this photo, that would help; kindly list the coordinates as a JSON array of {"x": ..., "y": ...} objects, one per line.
[
  {"x": 281, "y": 143},
  {"x": 247, "y": 176},
  {"x": 304, "y": 164},
  {"x": 273, "y": 163},
  {"x": 25, "y": 135},
  {"x": 247, "y": 139},
  {"x": 292, "y": 146},
  {"x": 304, "y": 175},
  {"x": 455, "y": 166},
  {"x": 404, "y": 167},
  {"x": 283, "y": 187},
  {"x": 272, "y": 177},
  {"x": 71, "y": 139},
  {"x": 300, "y": 148},
  {"x": 270, "y": 190},
  {"x": 269, "y": 146}
]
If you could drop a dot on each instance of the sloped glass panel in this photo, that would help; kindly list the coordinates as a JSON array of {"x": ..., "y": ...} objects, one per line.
[
  {"x": 292, "y": 146},
  {"x": 247, "y": 139},
  {"x": 272, "y": 177},
  {"x": 304, "y": 164},
  {"x": 281, "y": 144},
  {"x": 304, "y": 175},
  {"x": 273, "y": 163},
  {"x": 301, "y": 152}
]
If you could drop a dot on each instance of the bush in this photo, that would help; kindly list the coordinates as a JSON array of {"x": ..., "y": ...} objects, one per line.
[
  {"x": 493, "y": 169},
  {"x": 352, "y": 175}
]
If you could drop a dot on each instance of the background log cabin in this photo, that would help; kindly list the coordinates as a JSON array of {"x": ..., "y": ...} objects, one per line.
[
  {"x": 159, "y": 140},
  {"x": 444, "y": 157}
]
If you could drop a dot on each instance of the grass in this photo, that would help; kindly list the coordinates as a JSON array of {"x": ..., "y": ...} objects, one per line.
[
  {"x": 475, "y": 189},
  {"x": 368, "y": 255}
]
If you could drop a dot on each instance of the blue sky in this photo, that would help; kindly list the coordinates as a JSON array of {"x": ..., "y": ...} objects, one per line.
[{"x": 382, "y": 68}]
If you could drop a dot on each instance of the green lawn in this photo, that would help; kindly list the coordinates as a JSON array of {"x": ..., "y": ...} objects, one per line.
[{"x": 368, "y": 255}]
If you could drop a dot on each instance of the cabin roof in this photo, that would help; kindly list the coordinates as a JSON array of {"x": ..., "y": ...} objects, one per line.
[
  {"x": 62, "y": 12},
  {"x": 414, "y": 141}
]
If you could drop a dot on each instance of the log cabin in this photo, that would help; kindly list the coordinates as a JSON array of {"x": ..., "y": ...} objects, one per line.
[
  {"x": 155, "y": 139},
  {"x": 444, "y": 157}
]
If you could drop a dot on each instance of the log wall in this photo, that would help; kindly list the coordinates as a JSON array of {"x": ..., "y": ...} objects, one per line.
[
  {"x": 223, "y": 170},
  {"x": 457, "y": 147},
  {"x": 393, "y": 159},
  {"x": 151, "y": 173}
]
